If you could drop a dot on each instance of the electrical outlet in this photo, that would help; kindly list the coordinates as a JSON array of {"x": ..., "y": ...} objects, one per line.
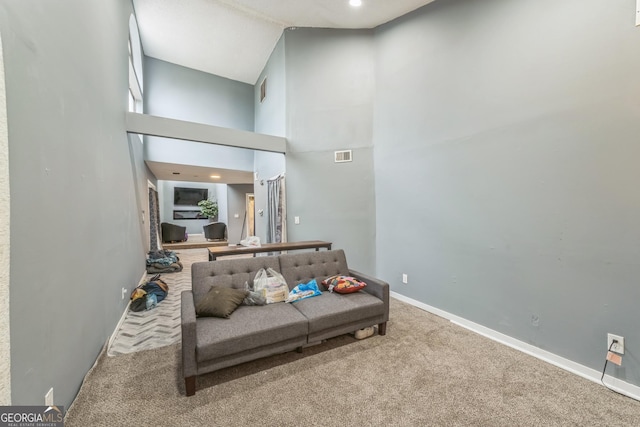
[
  {"x": 124, "y": 292},
  {"x": 405, "y": 278},
  {"x": 48, "y": 398},
  {"x": 617, "y": 347}
]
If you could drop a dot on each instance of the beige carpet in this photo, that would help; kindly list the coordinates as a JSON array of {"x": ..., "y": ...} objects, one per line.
[{"x": 425, "y": 372}]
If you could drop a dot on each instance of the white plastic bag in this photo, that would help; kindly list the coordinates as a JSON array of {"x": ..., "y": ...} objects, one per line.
[
  {"x": 251, "y": 241},
  {"x": 271, "y": 284}
]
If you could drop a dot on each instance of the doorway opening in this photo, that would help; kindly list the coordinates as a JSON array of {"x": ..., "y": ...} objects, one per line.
[{"x": 251, "y": 216}]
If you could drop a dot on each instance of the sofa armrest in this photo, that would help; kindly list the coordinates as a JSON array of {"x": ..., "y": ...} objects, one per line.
[
  {"x": 375, "y": 287},
  {"x": 188, "y": 324}
]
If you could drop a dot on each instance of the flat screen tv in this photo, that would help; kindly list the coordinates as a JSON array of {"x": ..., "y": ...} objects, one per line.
[{"x": 189, "y": 196}]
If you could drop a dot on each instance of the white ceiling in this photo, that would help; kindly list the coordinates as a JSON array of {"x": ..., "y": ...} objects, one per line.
[
  {"x": 234, "y": 38},
  {"x": 177, "y": 172}
]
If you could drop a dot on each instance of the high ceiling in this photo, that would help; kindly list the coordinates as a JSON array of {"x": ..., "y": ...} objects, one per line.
[{"x": 234, "y": 38}]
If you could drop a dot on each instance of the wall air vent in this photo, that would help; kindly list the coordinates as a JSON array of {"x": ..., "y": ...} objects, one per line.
[{"x": 343, "y": 156}]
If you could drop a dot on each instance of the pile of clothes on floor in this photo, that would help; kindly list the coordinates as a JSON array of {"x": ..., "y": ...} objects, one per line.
[
  {"x": 163, "y": 261},
  {"x": 149, "y": 294}
]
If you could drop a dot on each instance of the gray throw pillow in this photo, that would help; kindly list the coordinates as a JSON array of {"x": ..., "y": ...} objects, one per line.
[{"x": 220, "y": 302}]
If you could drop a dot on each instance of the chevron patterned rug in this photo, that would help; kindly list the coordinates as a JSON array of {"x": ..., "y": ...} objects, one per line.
[{"x": 160, "y": 326}]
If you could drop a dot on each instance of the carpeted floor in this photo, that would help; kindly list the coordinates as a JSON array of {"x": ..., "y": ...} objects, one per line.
[{"x": 425, "y": 372}]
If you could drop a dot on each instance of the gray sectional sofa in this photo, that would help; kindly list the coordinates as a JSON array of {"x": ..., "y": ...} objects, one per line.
[{"x": 252, "y": 332}]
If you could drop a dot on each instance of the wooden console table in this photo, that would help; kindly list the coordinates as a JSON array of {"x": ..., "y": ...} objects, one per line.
[{"x": 218, "y": 251}]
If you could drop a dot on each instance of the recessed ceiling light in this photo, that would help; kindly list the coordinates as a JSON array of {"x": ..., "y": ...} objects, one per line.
[
  {"x": 215, "y": 176},
  {"x": 355, "y": 3},
  {"x": 176, "y": 173}
]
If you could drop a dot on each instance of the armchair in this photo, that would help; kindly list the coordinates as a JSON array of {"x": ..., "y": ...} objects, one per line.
[
  {"x": 173, "y": 232},
  {"x": 215, "y": 231}
]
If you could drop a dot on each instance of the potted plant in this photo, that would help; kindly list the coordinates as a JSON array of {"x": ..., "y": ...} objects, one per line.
[{"x": 209, "y": 209}]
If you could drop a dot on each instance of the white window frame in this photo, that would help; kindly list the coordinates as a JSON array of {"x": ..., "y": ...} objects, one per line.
[{"x": 135, "y": 66}]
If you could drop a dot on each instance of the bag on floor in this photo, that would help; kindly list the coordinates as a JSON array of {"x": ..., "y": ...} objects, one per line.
[
  {"x": 271, "y": 284},
  {"x": 149, "y": 294}
]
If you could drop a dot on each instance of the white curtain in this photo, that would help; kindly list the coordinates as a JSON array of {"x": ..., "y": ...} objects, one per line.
[{"x": 276, "y": 210}]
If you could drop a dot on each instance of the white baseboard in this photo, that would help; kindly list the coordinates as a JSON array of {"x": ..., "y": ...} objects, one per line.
[
  {"x": 616, "y": 384},
  {"x": 124, "y": 314}
]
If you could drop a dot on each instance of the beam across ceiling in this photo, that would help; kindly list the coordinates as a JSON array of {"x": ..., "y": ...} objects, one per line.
[{"x": 145, "y": 124}]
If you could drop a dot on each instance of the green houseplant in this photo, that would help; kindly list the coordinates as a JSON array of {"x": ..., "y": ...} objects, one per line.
[{"x": 209, "y": 208}]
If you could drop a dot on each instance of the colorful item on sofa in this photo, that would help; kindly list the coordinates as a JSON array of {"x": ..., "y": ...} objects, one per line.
[
  {"x": 304, "y": 290},
  {"x": 343, "y": 284}
]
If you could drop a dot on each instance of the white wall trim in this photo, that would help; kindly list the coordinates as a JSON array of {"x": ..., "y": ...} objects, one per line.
[
  {"x": 124, "y": 315},
  {"x": 620, "y": 386},
  {"x": 5, "y": 247}
]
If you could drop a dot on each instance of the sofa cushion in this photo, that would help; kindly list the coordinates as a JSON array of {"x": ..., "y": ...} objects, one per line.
[
  {"x": 302, "y": 267},
  {"x": 250, "y": 327},
  {"x": 331, "y": 310},
  {"x": 220, "y": 302},
  {"x": 232, "y": 273}
]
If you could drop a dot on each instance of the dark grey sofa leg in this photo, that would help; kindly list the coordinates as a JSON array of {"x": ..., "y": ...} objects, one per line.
[
  {"x": 190, "y": 385},
  {"x": 299, "y": 349},
  {"x": 382, "y": 328}
]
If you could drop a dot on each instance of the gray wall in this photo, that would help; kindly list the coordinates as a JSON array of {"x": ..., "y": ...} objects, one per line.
[
  {"x": 75, "y": 225},
  {"x": 270, "y": 114},
  {"x": 194, "y": 226},
  {"x": 329, "y": 104},
  {"x": 141, "y": 178},
  {"x": 186, "y": 94},
  {"x": 270, "y": 119},
  {"x": 236, "y": 205},
  {"x": 166, "y": 150},
  {"x": 5, "y": 248},
  {"x": 506, "y": 149}
]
